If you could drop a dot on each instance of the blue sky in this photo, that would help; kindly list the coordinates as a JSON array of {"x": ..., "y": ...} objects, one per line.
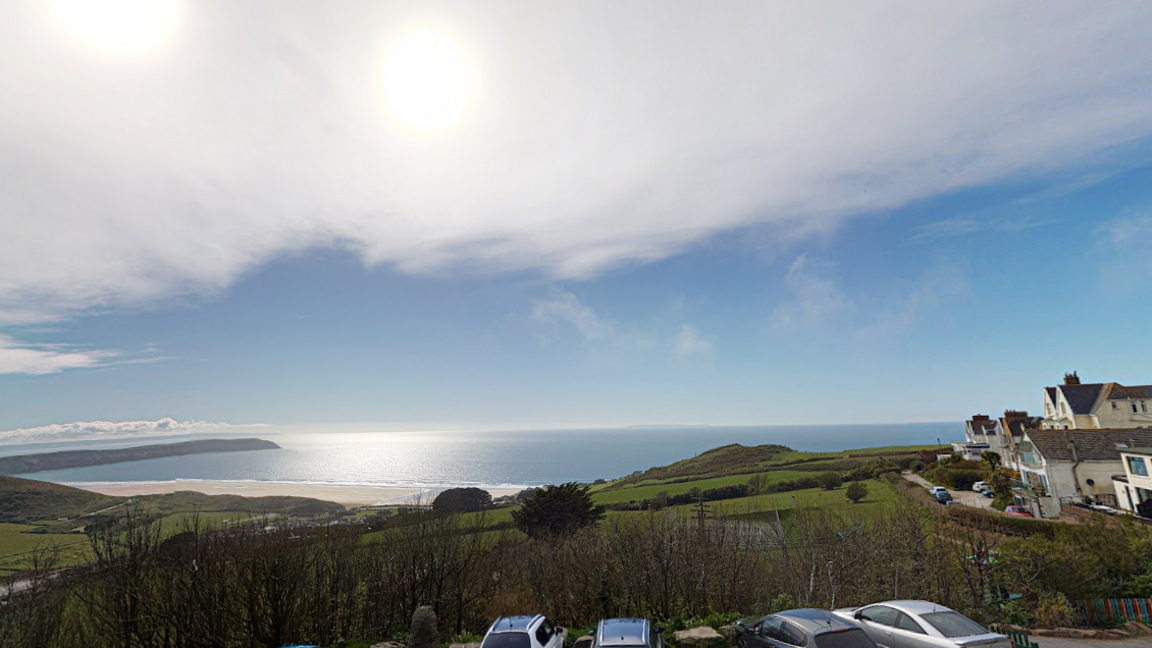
[{"x": 912, "y": 248}]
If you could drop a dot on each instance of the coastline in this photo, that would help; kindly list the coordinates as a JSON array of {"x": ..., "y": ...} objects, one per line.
[{"x": 352, "y": 496}]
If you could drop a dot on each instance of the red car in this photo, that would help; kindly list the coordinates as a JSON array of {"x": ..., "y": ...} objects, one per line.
[{"x": 1017, "y": 511}]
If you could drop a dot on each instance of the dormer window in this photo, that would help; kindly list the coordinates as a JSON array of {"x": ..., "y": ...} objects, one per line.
[
  {"x": 1144, "y": 406},
  {"x": 1134, "y": 410}
]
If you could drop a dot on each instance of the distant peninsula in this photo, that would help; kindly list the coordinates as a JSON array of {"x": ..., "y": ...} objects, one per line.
[{"x": 33, "y": 463}]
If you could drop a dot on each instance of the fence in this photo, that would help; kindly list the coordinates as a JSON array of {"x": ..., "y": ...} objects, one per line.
[{"x": 1097, "y": 611}]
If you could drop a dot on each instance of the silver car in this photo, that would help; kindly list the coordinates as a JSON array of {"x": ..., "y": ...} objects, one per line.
[{"x": 921, "y": 624}]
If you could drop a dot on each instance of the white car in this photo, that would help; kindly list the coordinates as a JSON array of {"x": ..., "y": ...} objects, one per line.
[
  {"x": 523, "y": 632},
  {"x": 921, "y": 624},
  {"x": 937, "y": 489},
  {"x": 980, "y": 487}
]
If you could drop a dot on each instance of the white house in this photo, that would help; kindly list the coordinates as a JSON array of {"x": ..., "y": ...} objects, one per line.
[
  {"x": 1134, "y": 487},
  {"x": 983, "y": 433},
  {"x": 1096, "y": 406},
  {"x": 1061, "y": 466}
]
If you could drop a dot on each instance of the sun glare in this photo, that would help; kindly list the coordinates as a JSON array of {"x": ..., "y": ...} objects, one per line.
[
  {"x": 426, "y": 81},
  {"x": 118, "y": 26}
]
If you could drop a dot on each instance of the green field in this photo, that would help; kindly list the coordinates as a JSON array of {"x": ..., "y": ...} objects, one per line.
[
  {"x": 650, "y": 488},
  {"x": 16, "y": 547}
]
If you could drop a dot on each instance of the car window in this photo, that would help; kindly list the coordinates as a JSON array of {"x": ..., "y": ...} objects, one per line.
[
  {"x": 793, "y": 635},
  {"x": 905, "y": 622},
  {"x": 854, "y": 638},
  {"x": 953, "y": 624},
  {"x": 881, "y": 614},
  {"x": 507, "y": 640},
  {"x": 544, "y": 633}
]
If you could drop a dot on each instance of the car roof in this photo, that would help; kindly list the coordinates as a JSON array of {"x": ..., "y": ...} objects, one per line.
[
  {"x": 815, "y": 621},
  {"x": 622, "y": 632},
  {"x": 916, "y": 607},
  {"x": 514, "y": 623}
]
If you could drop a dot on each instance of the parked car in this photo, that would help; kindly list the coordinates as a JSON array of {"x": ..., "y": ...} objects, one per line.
[
  {"x": 626, "y": 633},
  {"x": 980, "y": 486},
  {"x": 989, "y": 493},
  {"x": 523, "y": 632},
  {"x": 937, "y": 489},
  {"x": 951, "y": 503},
  {"x": 1017, "y": 511},
  {"x": 921, "y": 624},
  {"x": 943, "y": 497},
  {"x": 808, "y": 628}
]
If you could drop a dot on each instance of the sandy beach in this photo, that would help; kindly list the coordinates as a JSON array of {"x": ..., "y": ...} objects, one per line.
[{"x": 350, "y": 496}]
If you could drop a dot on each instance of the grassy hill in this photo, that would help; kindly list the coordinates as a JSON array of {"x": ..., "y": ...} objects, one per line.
[{"x": 27, "y": 500}]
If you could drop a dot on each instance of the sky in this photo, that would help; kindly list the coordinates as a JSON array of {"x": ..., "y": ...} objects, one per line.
[{"x": 611, "y": 214}]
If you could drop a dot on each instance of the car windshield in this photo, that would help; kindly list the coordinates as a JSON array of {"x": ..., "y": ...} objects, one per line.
[
  {"x": 506, "y": 640},
  {"x": 854, "y": 638},
  {"x": 953, "y": 624}
]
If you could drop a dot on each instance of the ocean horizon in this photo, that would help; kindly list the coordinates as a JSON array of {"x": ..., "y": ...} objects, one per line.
[{"x": 318, "y": 455}]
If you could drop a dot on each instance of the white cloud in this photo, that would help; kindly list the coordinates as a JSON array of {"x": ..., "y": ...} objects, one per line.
[
  {"x": 597, "y": 135},
  {"x": 105, "y": 430},
  {"x": 1122, "y": 245},
  {"x": 562, "y": 307},
  {"x": 38, "y": 360},
  {"x": 689, "y": 342},
  {"x": 813, "y": 301}
]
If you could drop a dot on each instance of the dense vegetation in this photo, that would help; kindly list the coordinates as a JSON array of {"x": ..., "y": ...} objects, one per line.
[{"x": 26, "y": 500}]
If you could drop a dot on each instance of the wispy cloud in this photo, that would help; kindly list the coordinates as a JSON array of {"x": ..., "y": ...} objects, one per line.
[
  {"x": 38, "y": 360},
  {"x": 105, "y": 430},
  {"x": 941, "y": 283},
  {"x": 690, "y": 343},
  {"x": 564, "y": 308},
  {"x": 814, "y": 300},
  {"x": 176, "y": 173},
  {"x": 1122, "y": 244}
]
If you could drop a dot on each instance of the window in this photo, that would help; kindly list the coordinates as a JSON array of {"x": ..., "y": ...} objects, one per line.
[
  {"x": 506, "y": 640},
  {"x": 854, "y": 638},
  {"x": 953, "y": 624},
  {"x": 783, "y": 631},
  {"x": 1144, "y": 406},
  {"x": 1133, "y": 408},
  {"x": 879, "y": 614},
  {"x": 544, "y": 633},
  {"x": 1137, "y": 467},
  {"x": 905, "y": 622}
]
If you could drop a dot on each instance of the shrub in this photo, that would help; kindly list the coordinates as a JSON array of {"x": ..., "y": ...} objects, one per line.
[
  {"x": 830, "y": 481},
  {"x": 557, "y": 510},
  {"x": 462, "y": 500},
  {"x": 856, "y": 491}
]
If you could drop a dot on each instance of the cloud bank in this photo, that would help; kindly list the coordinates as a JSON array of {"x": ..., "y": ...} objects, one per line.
[
  {"x": 105, "y": 430},
  {"x": 597, "y": 135}
]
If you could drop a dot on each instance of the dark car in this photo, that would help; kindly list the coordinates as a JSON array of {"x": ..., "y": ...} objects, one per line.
[
  {"x": 626, "y": 633},
  {"x": 805, "y": 628},
  {"x": 942, "y": 496}
]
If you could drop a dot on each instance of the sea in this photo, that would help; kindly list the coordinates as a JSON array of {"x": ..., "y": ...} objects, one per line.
[{"x": 346, "y": 455}]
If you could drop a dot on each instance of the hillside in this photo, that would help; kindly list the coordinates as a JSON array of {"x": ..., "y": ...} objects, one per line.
[
  {"x": 185, "y": 501},
  {"x": 733, "y": 459},
  {"x": 27, "y": 500},
  {"x": 33, "y": 463}
]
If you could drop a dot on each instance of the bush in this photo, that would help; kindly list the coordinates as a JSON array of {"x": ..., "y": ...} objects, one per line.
[
  {"x": 462, "y": 500},
  {"x": 856, "y": 491},
  {"x": 557, "y": 510},
  {"x": 830, "y": 481}
]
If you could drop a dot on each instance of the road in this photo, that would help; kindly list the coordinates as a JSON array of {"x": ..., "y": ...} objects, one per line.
[{"x": 967, "y": 498}]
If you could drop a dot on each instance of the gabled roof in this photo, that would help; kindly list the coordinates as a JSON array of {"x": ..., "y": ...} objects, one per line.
[
  {"x": 1051, "y": 391},
  {"x": 1017, "y": 425},
  {"x": 1090, "y": 445},
  {"x": 1081, "y": 398}
]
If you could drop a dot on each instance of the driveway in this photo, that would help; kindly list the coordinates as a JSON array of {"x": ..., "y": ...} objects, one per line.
[{"x": 967, "y": 498}]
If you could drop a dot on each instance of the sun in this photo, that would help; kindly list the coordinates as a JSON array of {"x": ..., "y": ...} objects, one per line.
[
  {"x": 426, "y": 81},
  {"x": 118, "y": 26}
]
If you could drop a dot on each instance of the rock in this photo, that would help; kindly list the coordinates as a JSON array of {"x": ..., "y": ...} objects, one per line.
[
  {"x": 729, "y": 632},
  {"x": 583, "y": 642},
  {"x": 702, "y": 636},
  {"x": 423, "y": 633},
  {"x": 467, "y": 645},
  {"x": 389, "y": 644}
]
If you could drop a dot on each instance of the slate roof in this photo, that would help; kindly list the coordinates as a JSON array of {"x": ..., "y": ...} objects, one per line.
[
  {"x": 1120, "y": 392},
  {"x": 1081, "y": 398},
  {"x": 982, "y": 427},
  {"x": 1091, "y": 445},
  {"x": 1017, "y": 425},
  {"x": 1051, "y": 394}
]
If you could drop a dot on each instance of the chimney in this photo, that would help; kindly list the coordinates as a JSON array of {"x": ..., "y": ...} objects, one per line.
[
  {"x": 1015, "y": 414},
  {"x": 1071, "y": 379}
]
